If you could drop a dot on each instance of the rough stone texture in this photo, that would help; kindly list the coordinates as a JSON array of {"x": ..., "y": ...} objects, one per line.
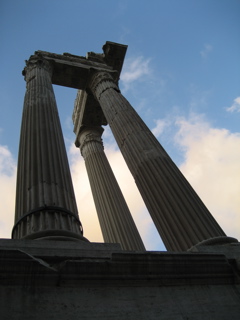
[
  {"x": 115, "y": 219},
  {"x": 63, "y": 280},
  {"x": 178, "y": 213},
  {"x": 45, "y": 201},
  {"x": 131, "y": 303}
]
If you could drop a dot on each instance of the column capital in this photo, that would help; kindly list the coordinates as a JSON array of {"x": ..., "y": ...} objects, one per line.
[
  {"x": 88, "y": 135},
  {"x": 99, "y": 81},
  {"x": 36, "y": 61}
]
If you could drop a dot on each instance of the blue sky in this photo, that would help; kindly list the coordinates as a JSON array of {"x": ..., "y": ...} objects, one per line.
[{"x": 181, "y": 74}]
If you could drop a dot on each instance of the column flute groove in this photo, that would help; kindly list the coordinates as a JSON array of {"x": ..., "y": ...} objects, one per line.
[
  {"x": 115, "y": 219},
  {"x": 44, "y": 197}
]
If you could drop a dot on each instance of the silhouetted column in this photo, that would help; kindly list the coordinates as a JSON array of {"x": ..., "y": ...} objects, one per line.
[
  {"x": 45, "y": 201},
  {"x": 115, "y": 219},
  {"x": 178, "y": 213}
]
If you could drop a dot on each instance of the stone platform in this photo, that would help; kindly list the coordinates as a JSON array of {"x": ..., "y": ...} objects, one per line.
[{"x": 80, "y": 280}]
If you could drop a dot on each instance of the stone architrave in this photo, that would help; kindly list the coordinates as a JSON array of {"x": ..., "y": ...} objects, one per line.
[
  {"x": 115, "y": 219},
  {"x": 45, "y": 201},
  {"x": 178, "y": 213}
]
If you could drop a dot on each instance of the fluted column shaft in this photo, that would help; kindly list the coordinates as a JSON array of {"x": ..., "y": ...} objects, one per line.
[
  {"x": 178, "y": 213},
  {"x": 45, "y": 200},
  {"x": 115, "y": 219}
]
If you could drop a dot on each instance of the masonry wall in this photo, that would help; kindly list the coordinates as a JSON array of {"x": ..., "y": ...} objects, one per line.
[{"x": 121, "y": 302}]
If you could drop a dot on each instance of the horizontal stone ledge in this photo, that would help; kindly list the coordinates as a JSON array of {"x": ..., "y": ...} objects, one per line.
[
  {"x": 72, "y": 71},
  {"x": 123, "y": 269},
  {"x": 48, "y": 248}
]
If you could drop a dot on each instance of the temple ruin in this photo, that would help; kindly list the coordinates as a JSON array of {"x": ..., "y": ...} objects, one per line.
[{"x": 48, "y": 253}]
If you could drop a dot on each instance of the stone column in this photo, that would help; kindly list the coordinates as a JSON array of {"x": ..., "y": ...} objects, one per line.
[
  {"x": 178, "y": 213},
  {"x": 115, "y": 219},
  {"x": 45, "y": 200}
]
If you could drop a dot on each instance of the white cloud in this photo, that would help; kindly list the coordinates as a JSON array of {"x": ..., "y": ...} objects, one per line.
[
  {"x": 235, "y": 106},
  {"x": 161, "y": 125},
  {"x": 133, "y": 70},
  {"x": 206, "y": 50},
  {"x": 7, "y": 191},
  {"x": 212, "y": 166}
]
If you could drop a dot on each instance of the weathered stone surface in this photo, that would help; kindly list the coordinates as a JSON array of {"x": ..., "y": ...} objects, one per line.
[
  {"x": 121, "y": 302},
  {"x": 73, "y": 71}
]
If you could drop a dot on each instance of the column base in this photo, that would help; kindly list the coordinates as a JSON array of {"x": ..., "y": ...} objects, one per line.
[
  {"x": 222, "y": 240},
  {"x": 48, "y": 221},
  {"x": 57, "y": 235},
  {"x": 228, "y": 246}
]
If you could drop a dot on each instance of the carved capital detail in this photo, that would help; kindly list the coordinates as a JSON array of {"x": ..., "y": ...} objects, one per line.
[
  {"x": 101, "y": 81},
  {"x": 90, "y": 135},
  {"x": 36, "y": 61}
]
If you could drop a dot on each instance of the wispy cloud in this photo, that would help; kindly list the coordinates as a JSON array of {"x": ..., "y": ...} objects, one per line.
[
  {"x": 134, "y": 69},
  {"x": 206, "y": 51},
  {"x": 124, "y": 32},
  {"x": 235, "y": 107},
  {"x": 161, "y": 125}
]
